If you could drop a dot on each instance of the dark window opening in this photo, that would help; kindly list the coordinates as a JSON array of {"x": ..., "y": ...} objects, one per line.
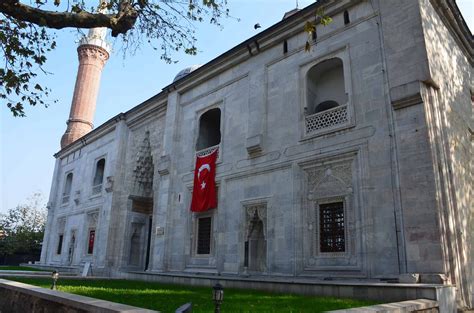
[
  {"x": 98, "y": 176},
  {"x": 325, "y": 105},
  {"x": 285, "y": 46},
  {"x": 209, "y": 129},
  {"x": 331, "y": 227},
  {"x": 60, "y": 244},
  {"x": 246, "y": 254},
  {"x": 90, "y": 246},
  {"x": 204, "y": 235},
  {"x": 346, "y": 17}
]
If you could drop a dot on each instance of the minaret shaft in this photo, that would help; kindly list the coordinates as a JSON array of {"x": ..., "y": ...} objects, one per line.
[{"x": 93, "y": 52}]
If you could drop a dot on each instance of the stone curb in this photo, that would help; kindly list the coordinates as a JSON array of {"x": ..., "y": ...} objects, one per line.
[{"x": 68, "y": 300}]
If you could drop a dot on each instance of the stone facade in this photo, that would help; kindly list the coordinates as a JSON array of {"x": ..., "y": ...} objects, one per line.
[{"x": 350, "y": 161}]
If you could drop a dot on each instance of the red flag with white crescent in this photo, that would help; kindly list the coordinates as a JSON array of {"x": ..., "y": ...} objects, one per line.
[{"x": 204, "y": 189}]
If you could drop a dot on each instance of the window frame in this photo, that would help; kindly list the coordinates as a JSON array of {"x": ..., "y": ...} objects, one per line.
[
  {"x": 94, "y": 173},
  {"x": 63, "y": 196},
  {"x": 198, "y": 235},
  {"x": 322, "y": 235},
  {"x": 92, "y": 229},
  {"x": 317, "y": 223},
  {"x": 197, "y": 216},
  {"x": 59, "y": 245},
  {"x": 216, "y": 105},
  {"x": 343, "y": 54}
]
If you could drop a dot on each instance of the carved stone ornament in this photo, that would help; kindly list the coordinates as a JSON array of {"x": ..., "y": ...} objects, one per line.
[
  {"x": 144, "y": 169},
  {"x": 329, "y": 180},
  {"x": 164, "y": 165},
  {"x": 256, "y": 211},
  {"x": 109, "y": 184},
  {"x": 93, "y": 52},
  {"x": 77, "y": 196},
  {"x": 92, "y": 218}
]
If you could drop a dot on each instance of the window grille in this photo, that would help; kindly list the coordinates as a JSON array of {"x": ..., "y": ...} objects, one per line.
[
  {"x": 65, "y": 198},
  {"x": 327, "y": 119},
  {"x": 204, "y": 235},
  {"x": 209, "y": 150},
  {"x": 96, "y": 189},
  {"x": 331, "y": 227}
]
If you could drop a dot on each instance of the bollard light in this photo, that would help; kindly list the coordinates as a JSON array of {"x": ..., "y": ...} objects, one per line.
[
  {"x": 217, "y": 296},
  {"x": 54, "y": 276}
]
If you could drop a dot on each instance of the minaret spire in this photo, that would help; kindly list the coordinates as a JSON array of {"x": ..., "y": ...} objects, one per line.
[{"x": 93, "y": 52}]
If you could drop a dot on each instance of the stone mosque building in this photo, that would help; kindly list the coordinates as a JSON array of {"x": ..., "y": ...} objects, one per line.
[{"x": 350, "y": 162}]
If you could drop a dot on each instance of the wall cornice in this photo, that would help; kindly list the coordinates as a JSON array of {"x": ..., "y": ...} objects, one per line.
[
  {"x": 263, "y": 41},
  {"x": 457, "y": 26}
]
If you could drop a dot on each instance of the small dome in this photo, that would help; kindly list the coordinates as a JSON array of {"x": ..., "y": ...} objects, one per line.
[{"x": 186, "y": 71}]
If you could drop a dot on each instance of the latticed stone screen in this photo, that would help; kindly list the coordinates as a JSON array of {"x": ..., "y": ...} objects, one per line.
[
  {"x": 96, "y": 189},
  {"x": 327, "y": 119},
  {"x": 204, "y": 235},
  {"x": 208, "y": 151},
  {"x": 331, "y": 227}
]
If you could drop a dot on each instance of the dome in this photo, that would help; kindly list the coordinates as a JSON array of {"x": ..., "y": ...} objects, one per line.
[{"x": 186, "y": 71}]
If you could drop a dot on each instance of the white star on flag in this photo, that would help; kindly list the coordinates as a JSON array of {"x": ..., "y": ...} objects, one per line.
[{"x": 203, "y": 185}]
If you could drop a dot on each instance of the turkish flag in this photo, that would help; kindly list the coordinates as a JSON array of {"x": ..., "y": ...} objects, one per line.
[{"x": 204, "y": 189}]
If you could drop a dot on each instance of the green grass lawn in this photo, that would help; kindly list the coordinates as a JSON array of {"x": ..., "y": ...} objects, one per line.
[
  {"x": 167, "y": 298},
  {"x": 19, "y": 268}
]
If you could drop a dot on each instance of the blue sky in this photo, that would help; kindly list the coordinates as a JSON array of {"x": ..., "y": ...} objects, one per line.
[{"x": 27, "y": 144}]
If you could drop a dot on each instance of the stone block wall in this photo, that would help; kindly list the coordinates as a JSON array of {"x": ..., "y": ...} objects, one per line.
[{"x": 18, "y": 297}]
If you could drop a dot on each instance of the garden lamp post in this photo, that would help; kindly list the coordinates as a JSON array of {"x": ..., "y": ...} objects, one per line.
[
  {"x": 54, "y": 276},
  {"x": 217, "y": 296}
]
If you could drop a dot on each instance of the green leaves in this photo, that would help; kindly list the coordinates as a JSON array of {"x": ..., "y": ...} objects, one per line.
[
  {"x": 310, "y": 27},
  {"x": 168, "y": 26},
  {"x": 23, "y": 227},
  {"x": 24, "y": 47},
  {"x": 325, "y": 20}
]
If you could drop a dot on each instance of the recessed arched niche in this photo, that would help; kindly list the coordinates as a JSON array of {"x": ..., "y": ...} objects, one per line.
[
  {"x": 325, "y": 86},
  {"x": 209, "y": 129}
]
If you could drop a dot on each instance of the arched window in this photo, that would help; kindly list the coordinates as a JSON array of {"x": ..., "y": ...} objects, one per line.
[
  {"x": 327, "y": 103},
  {"x": 346, "y": 17},
  {"x": 67, "y": 188},
  {"x": 209, "y": 129},
  {"x": 98, "y": 177},
  {"x": 325, "y": 86}
]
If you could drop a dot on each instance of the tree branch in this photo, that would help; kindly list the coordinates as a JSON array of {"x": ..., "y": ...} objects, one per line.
[{"x": 119, "y": 23}]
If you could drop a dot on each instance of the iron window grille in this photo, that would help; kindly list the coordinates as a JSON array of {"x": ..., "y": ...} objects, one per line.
[
  {"x": 332, "y": 227},
  {"x": 204, "y": 235}
]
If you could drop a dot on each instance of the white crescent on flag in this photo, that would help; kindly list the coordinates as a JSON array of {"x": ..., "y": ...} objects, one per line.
[{"x": 202, "y": 168}]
